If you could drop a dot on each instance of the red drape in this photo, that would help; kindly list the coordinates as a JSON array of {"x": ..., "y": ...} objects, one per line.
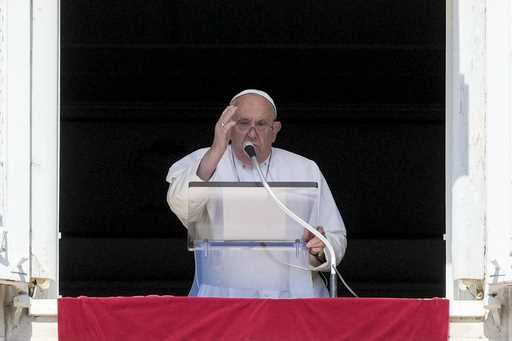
[{"x": 165, "y": 318}]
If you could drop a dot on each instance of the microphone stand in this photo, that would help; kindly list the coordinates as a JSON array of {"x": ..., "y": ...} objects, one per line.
[{"x": 333, "y": 282}]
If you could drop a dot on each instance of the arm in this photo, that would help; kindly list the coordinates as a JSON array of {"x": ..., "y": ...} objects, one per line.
[
  {"x": 178, "y": 177},
  {"x": 221, "y": 140},
  {"x": 198, "y": 166}
]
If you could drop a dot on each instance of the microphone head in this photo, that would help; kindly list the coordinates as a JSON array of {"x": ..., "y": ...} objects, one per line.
[{"x": 249, "y": 149}]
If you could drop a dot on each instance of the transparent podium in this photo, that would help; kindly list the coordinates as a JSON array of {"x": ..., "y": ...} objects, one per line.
[{"x": 245, "y": 246}]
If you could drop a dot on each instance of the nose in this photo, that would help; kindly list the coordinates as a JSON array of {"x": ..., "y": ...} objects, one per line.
[{"x": 252, "y": 132}]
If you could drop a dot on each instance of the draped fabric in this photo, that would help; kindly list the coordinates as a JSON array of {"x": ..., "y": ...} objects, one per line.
[{"x": 165, "y": 318}]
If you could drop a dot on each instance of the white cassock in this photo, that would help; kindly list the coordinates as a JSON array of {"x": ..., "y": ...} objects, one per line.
[{"x": 237, "y": 273}]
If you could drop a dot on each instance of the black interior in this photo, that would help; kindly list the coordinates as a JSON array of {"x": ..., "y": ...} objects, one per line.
[{"x": 359, "y": 87}]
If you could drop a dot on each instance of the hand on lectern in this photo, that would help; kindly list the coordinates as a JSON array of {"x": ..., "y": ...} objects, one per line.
[{"x": 314, "y": 244}]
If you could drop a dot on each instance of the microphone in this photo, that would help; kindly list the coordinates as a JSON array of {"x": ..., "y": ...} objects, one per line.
[{"x": 249, "y": 149}]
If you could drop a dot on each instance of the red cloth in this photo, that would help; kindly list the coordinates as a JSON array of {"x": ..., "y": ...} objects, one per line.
[{"x": 165, "y": 318}]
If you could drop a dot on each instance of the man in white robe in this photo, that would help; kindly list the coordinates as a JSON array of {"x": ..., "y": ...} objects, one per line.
[{"x": 251, "y": 116}]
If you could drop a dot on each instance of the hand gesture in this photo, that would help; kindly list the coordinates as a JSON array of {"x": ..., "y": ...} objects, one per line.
[
  {"x": 223, "y": 130},
  {"x": 221, "y": 140},
  {"x": 314, "y": 244}
]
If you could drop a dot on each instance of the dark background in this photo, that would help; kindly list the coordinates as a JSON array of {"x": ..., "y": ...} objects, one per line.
[{"x": 359, "y": 87}]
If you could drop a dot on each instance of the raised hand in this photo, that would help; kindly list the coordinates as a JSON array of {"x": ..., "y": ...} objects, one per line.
[
  {"x": 220, "y": 143},
  {"x": 223, "y": 130}
]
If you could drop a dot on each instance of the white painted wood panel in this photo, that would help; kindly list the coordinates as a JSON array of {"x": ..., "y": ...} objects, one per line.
[
  {"x": 465, "y": 143},
  {"x": 14, "y": 259},
  {"x": 45, "y": 140}
]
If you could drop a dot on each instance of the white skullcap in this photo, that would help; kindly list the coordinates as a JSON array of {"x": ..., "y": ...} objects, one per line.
[{"x": 255, "y": 92}]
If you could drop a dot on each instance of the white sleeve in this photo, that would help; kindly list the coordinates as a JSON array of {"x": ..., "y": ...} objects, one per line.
[
  {"x": 180, "y": 174},
  {"x": 329, "y": 218}
]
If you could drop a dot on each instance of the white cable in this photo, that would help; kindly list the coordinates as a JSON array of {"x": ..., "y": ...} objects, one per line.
[
  {"x": 307, "y": 226},
  {"x": 292, "y": 215},
  {"x": 345, "y": 284},
  {"x": 311, "y": 268}
]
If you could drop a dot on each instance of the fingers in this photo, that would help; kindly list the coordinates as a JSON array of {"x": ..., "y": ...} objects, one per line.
[
  {"x": 316, "y": 248},
  {"x": 227, "y": 114},
  {"x": 229, "y": 125},
  {"x": 317, "y": 251},
  {"x": 223, "y": 128},
  {"x": 308, "y": 234},
  {"x": 315, "y": 243}
]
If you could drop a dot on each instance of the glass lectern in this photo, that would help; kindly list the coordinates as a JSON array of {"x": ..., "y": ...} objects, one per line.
[{"x": 244, "y": 245}]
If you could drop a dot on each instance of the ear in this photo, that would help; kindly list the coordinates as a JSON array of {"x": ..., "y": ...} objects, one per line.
[{"x": 276, "y": 127}]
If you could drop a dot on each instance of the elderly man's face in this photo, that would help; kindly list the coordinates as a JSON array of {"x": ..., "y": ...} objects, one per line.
[{"x": 255, "y": 123}]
